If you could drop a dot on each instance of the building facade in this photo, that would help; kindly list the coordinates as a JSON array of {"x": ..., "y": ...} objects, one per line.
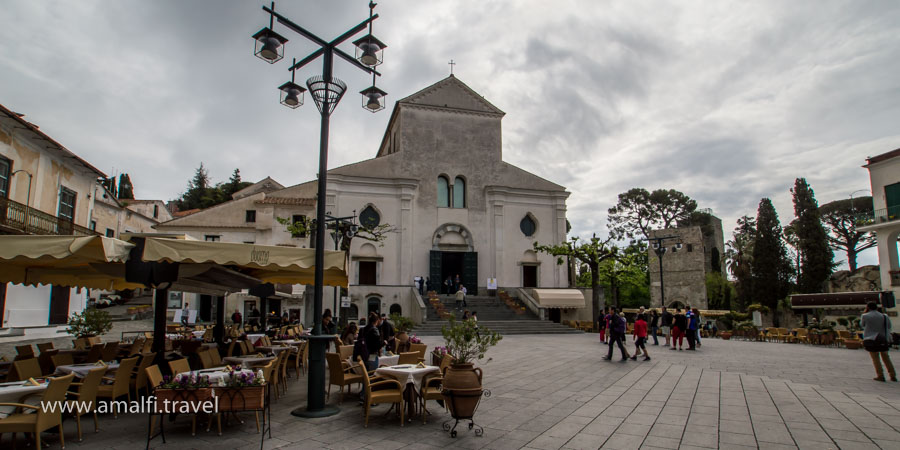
[
  {"x": 687, "y": 258},
  {"x": 884, "y": 174},
  {"x": 438, "y": 184}
]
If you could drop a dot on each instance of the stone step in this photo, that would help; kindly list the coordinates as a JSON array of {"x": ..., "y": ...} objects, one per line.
[{"x": 433, "y": 328}]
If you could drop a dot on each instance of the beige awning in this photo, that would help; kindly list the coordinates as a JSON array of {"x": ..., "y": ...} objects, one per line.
[
  {"x": 76, "y": 261},
  {"x": 268, "y": 263},
  {"x": 559, "y": 298}
]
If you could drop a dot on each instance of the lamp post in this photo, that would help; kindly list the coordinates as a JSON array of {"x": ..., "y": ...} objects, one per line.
[
  {"x": 27, "y": 196},
  {"x": 327, "y": 91},
  {"x": 341, "y": 226},
  {"x": 657, "y": 244}
]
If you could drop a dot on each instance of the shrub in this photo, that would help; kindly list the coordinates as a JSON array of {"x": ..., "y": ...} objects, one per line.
[
  {"x": 91, "y": 322},
  {"x": 466, "y": 341},
  {"x": 401, "y": 324}
]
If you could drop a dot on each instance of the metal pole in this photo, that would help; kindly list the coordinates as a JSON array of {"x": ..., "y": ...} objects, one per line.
[
  {"x": 161, "y": 299},
  {"x": 662, "y": 286},
  {"x": 219, "y": 329},
  {"x": 334, "y": 303}
]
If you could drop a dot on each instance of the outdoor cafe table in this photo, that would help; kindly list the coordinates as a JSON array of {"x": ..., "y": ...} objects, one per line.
[
  {"x": 216, "y": 373},
  {"x": 254, "y": 337},
  {"x": 81, "y": 370},
  {"x": 198, "y": 334},
  {"x": 411, "y": 376},
  {"x": 14, "y": 391},
  {"x": 273, "y": 349},
  {"x": 289, "y": 342},
  {"x": 248, "y": 360},
  {"x": 388, "y": 360}
]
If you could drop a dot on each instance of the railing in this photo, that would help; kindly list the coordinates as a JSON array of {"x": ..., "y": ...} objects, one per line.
[
  {"x": 888, "y": 214},
  {"x": 17, "y": 218}
]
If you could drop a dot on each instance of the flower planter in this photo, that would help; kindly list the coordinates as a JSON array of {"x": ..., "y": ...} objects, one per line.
[
  {"x": 852, "y": 344},
  {"x": 436, "y": 359},
  {"x": 180, "y": 400},
  {"x": 726, "y": 335},
  {"x": 241, "y": 399},
  {"x": 462, "y": 390}
]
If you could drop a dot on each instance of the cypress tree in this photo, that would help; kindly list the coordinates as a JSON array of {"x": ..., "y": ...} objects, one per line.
[
  {"x": 815, "y": 255},
  {"x": 126, "y": 189},
  {"x": 770, "y": 268}
]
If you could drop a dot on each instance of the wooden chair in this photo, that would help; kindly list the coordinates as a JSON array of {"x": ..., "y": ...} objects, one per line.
[
  {"x": 231, "y": 346},
  {"x": 86, "y": 395},
  {"x": 154, "y": 380},
  {"x": 340, "y": 374},
  {"x": 139, "y": 377},
  {"x": 44, "y": 346},
  {"x": 24, "y": 369},
  {"x": 179, "y": 366},
  {"x": 431, "y": 386},
  {"x": 390, "y": 391},
  {"x": 42, "y": 419},
  {"x": 95, "y": 353},
  {"x": 62, "y": 359},
  {"x": 121, "y": 383},
  {"x": 45, "y": 360},
  {"x": 215, "y": 357},
  {"x": 408, "y": 358},
  {"x": 205, "y": 359},
  {"x": 420, "y": 349}
]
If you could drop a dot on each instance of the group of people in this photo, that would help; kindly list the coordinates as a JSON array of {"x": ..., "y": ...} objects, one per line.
[
  {"x": 369, "y": 343},
  {"x": 676, "y": 328}
]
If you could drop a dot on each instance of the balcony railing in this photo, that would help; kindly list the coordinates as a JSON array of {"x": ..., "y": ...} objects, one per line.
[
  {"x": 17, "y": 218},
  {"x": 889, "y": 214}
]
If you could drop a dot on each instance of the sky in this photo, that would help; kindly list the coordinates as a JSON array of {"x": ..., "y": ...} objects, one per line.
[{"x": 727, "y": 102}]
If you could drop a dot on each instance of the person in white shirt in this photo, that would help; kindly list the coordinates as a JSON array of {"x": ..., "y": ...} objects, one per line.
[{"x": 876, "y": 325}]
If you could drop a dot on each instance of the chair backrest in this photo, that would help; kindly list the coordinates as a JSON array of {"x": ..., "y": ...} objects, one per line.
[
  {"x": 136, "y": 347},
  {"x": 25, "y": 350},
  {"x": 89, "y": 386},
  {"x": 79, "y": 343},
  {"x": 110, "y": 351},
  {"x": 802, "y": 331},
  {"x": 179, "y": 366},
  {"x": 123, "y": 375},
  {"x": 418, "y": 348},
  {"x": 367, "y": 388},
  {"x": 844, "y": 334},
  {"x": 148, "y": 345},
  {"x": 62, "y": 359},
  {"x": 445, "y": 361},
  {"x": 268, "y": 369},
  {"x": 248, "y": 348},
  {"x": 140, "y": 376},
  {"x": 95, "y": 353},
  {"x": 335, "y": 368},
  {"x": 94, "y": 340},
  {"x": 24, "y": 369},
  {"x": 408, "y": 358},
  {"x": 215, "y": 356},
  {"x": 154, "y": 377},
  {"x": 230, "y": 351},
  {"x": 346, "y": 351},
  {"x": 45, "y": 360},
  {"x": 54, "y": 394},
  {"x": 43, "y": 346},
  {"x": 205, "y": 359}
]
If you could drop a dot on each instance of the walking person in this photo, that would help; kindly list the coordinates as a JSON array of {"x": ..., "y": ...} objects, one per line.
[
  {"x": 666, "y": 321},
  {"x": 601, "y": 324},
  {"x": 696, "y": 313},
  {"x": 639, "y": 336},
  {"x": 679, "y": 325},
  {"x": 876, "y": 339},
  {"x": 693, "y": 325},
  {"x": 460, "y": 297},
  {"x": 465, "y": 294},
  {"x": 654, "y": 326},
  {"x": 617, "y": 332}
]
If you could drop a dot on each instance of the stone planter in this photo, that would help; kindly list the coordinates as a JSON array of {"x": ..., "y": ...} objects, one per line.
[{"x": 726, "y": 335}]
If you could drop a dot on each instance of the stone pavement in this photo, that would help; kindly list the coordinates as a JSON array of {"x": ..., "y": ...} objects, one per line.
[{"x": 554, "y": 391}]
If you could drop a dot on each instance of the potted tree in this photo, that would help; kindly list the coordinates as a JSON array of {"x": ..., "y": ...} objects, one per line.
[
  {"x": 402, "y": 325},
  {"x": 91, "y": 322},
  {"x": 466, "y": 342}
]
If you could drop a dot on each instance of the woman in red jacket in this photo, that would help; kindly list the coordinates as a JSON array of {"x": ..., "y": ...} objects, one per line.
[{"x": 639, "y": 336}]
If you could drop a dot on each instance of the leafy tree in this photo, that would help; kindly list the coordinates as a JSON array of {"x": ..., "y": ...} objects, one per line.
[
  {"x": 202, "y": 194},
  {"x": 719, "y": 291},
  {"x": 840, "y": 216},
  {"x": 815, "y": 255},
  {"x": 770, "y": 268},
  {"x": 639, "y": 211},
  {"x": 792, "y": 241},
  {"x": 590, "y": 253},
  {"x": 739, "y": 256},
  {"x": 627, "y": 271},
  {"x": 126, "y": 189}
]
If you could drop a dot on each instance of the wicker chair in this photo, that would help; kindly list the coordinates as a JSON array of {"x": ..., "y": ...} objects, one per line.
[
  {"x": 86, "y": 395},
  {"x": 420, "y": 349},
  {"x": 139, "y": 380},
  {"x": 95, "y": 353},
  {"x": 340, "y": 375},
  {"x": 408, "y": 358},
  {"x": 42, "y": 419},
  {"x": 24, "y": 369},
  {"x": 179, "y": 366},
  {"x": 121, "y": 383},
  {"x": 62, "y": 359},
  {"x": 431, "y": 386},
  {"x": 205, "y": 359},
  {"x": 390, "y": 391}
]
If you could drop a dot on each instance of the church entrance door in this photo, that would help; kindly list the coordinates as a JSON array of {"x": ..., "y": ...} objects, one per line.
[{"x": 450, "y": 264}]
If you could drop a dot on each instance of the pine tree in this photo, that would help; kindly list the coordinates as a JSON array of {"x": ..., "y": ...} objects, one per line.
[
  {"x": 126, "y": 189},
  {"x": 234, "y": 184},
  {"x": 770, "y": 268},
  {"x": 815, "y": 255}
]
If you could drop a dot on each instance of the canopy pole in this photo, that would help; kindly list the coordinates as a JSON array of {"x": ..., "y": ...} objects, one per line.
[
  {"x": 219, "y": 329},
  {"x": 161, "y": 298}
]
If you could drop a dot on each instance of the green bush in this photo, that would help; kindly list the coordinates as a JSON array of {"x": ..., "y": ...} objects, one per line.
[
  {"x": 401, "y": 324},
  {"x": 843, "y": 321},
  {"x": 91, "y": 322},
  {"x": 466, "y": 341}
]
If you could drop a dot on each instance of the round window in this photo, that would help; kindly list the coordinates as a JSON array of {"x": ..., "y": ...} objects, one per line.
[
  {"x": 528, "y": 226},
  {"x": 369, "y": 218}
]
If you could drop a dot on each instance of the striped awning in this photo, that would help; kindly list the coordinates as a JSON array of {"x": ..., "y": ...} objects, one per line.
[{"x": 559, "y": 298}]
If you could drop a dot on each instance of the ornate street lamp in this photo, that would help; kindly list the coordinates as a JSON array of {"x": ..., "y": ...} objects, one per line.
[
  {"x": 373, "y": 98},
  {"x": 326, "y": 91},
  {"x": 657, "y": 244}
]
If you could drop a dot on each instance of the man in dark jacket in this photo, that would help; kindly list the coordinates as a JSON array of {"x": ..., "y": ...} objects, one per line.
[
  {"x": 654, "y": 326},
  {"x": 666, "y": 322},
  {"x": 679, "y": 329},
  {"x": 373, "y": 340},
  {"x": 387, "y": 332},
  {"x": 616, "y": 334}
]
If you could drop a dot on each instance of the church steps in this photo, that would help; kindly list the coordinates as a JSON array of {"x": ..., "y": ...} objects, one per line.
[{"x": 494, "y": 314}]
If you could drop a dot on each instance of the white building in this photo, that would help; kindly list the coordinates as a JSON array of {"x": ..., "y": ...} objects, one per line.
[
  {"x": 438, "y": 178},
  {"x": 884, "y": 173}
]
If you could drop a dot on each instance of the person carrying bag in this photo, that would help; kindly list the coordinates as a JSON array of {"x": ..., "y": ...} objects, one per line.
[{"x": 876, "y": 329}]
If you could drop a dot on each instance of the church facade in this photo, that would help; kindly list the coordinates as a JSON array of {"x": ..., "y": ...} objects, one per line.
[{"x": 455, "y": 208}]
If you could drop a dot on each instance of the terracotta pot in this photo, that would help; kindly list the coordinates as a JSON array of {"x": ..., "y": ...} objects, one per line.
[
  {"x": 726, "y": 335},
  {"x": 402, "y": 336},
  {"x": 852, "y": 344},
  {"x": 462, "y": 390}
]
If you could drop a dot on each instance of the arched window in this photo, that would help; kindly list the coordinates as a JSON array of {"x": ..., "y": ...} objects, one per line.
[
  {"x": 459, "y": 193},
  {"x": 443, "y": 192},
  {"x": 369, "y": 217},
  {"x": 395, "y": 309},
  {"x": 374, "y": 305},
  {"x": 353, "y": 312},
  {"x": 528, "y": 226}
]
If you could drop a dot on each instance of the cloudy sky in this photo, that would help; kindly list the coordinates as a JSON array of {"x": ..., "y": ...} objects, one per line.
[{"x": 725, "y": 101}]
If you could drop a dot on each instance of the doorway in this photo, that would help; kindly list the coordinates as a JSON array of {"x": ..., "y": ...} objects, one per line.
[
  {"x": 59, "y": 305},
  {"x": 451, "y": 266},
  {"x": 554, "y": 315},
  {"x": 374, "y": 304},
  {"x": 529, "y": 276},
  {"x": 367, "y": 273}
]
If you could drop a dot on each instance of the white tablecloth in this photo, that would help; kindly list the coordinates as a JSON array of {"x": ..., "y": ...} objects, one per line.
[
  {"x": 254, "y": 337},
  {"x": 407, "y": 374},
  {"x": 13, "y": 393},
  {"x": 198, "y": 334},
  {"x": 273, "y": 349},
  {"x": 216, "y": 375},
  {"x": 289, "y": 342},
  {"x": 388, "y": 360},
  {"x": 81, "y": 370},
  {"x": 247, "y": 361}
]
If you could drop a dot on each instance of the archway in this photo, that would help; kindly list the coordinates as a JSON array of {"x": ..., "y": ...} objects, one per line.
[
  {"x": 453, "y": 257},
  {"x": 395, "y": 309},
  {"x": 374, "y": 305}
]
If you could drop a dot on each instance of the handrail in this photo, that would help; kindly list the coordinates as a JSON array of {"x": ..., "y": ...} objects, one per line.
[
  {"x": 531, "y": 304},
  {"x": 423, "y": 310},
  {"x": 883, "y": 215},
  {"x": 15, "y": 216}
]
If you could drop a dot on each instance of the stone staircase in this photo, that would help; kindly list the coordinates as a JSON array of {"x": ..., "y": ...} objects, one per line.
[{"x": 492, "y": 313}]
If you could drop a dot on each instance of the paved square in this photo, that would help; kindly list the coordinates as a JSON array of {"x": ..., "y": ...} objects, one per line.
[{"x": 554, "y": 391}]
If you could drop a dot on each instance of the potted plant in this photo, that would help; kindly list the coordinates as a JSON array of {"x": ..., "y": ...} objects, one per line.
[
  {"x": 438, "y": 354},
  {"x": 402, "y": 325},
  {"x": 852, "y": 323},
  {"x": 90, "y": 323},
  {"x": 241, "y": 390},
  {"x": 182, "y": 393},
  {"x": 466, "y": 342}
]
